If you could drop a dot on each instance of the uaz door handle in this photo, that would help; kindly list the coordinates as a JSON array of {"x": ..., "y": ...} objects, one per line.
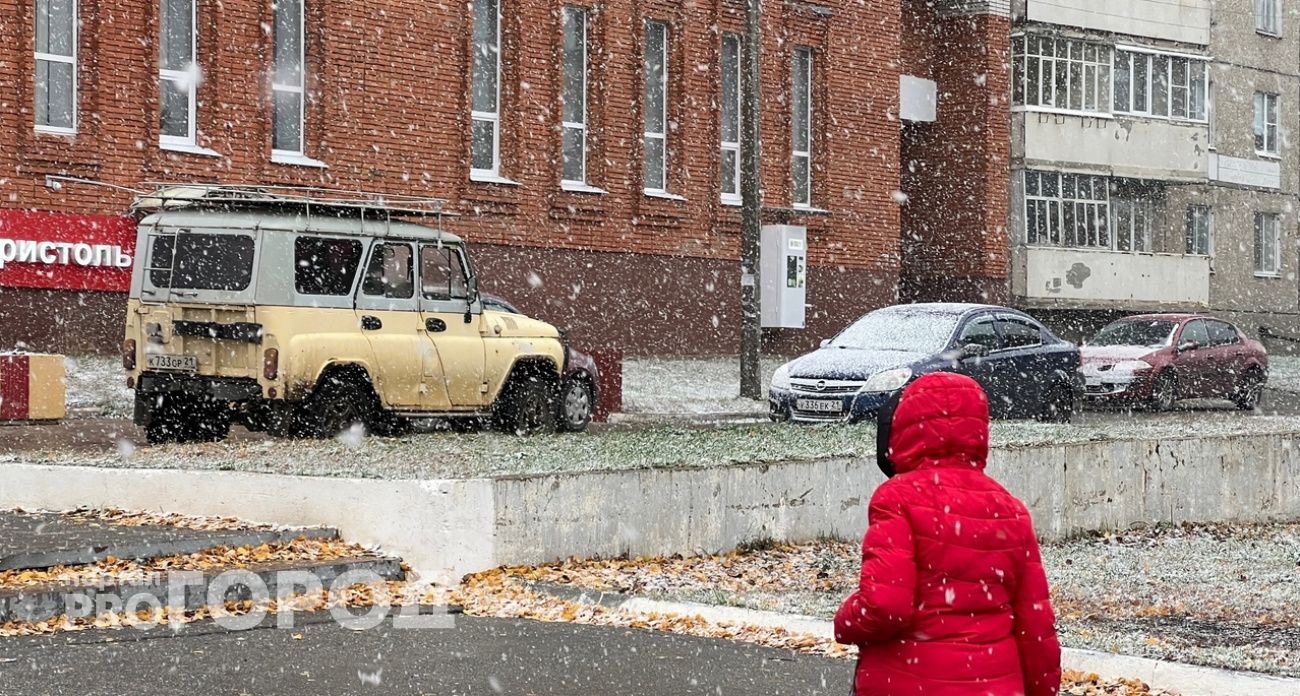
[
  {"x": 435, "y": 325},
  {"x": 369, "y": 323}
]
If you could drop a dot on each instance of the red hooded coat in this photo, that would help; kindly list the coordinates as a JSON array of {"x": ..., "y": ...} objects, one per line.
[{"x": 953, "y": 599}]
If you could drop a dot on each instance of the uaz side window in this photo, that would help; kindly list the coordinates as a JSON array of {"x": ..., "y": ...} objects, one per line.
[
  {"x": 201, "y": 261},
  {"x": 325, "y": 266}
]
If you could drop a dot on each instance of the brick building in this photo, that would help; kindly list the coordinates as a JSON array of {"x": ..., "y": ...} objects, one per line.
[{"x": 590, "y": 148}]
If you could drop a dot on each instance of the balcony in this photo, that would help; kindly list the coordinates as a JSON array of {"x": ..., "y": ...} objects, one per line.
[
  {"x": 1132, "y": 148},
  {"x": 1088, "y": 279},
  {"x": 1184, "y": 21}
]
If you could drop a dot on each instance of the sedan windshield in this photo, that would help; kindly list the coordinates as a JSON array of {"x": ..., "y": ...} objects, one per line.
[
  {"x": 1152, "y": 334},
  {"x": 900, "y": 329}
]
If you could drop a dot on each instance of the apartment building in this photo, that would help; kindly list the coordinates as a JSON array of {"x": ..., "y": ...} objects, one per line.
[
  {"x": 591, "y": 149},
  {"x": 1152, "y": 161}
]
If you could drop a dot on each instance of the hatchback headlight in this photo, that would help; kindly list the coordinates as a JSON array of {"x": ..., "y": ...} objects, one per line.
[
  {"x": 781, "y": 378},
  {"x": 888, "y": 381}
]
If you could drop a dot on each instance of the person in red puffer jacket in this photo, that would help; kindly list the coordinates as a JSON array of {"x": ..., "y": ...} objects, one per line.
[{"x": 953, "y": 600}]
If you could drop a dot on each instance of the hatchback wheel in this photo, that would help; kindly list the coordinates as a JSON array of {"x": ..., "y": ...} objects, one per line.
[
  {"x": 1165, "y": 392},
  {"x": 576, "y": 406}
]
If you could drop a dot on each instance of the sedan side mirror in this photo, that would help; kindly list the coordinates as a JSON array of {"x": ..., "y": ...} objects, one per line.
[
  {"x": 1187, "y": 346},
  {"x": 974, "y": 350}
]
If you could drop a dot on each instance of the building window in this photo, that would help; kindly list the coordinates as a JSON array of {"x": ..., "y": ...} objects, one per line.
[
  {"x": 1266, "y": 124},
  {"x": 1067, "y": 210},
  {"x": 56, "y": 65},
  {"x": 801, "y": 108},
  {"x": 1159, "y": 85},
  {"x": 1268, "y": 243},
  {"x": 1062, "y": 74},
  {"x": 1200, "y": 230},
  {"x": 289, "y": 78},
  {"x": 1131, "y": 220},
  {"x": 485, "y": 117},
  {"x": 574, "y": 96},
  {"x": 1268, "y": 17},
  {"x": 655, "y": 103},
  {"x": 730, "y": 118},
  {"x": 178, "y": 73}
]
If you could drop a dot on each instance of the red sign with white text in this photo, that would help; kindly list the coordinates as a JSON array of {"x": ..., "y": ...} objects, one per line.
[{"x": 62, "y": 251}]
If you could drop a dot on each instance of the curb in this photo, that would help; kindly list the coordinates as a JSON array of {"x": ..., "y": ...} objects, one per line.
[
  {"x": 42, "y": 603},
  {"x": 1188, "y": 680}
]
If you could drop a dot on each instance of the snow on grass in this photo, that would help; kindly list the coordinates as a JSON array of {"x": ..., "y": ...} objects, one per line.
[
  {"x": 1284, "y": 373},
  {"x": 1219, "y": 595},
  {"x": 97, "y": 386}
]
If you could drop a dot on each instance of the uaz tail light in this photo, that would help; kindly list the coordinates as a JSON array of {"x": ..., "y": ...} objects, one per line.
[
  {"x": 128, "y": 354},
  {"x": 271, "y": 364}
]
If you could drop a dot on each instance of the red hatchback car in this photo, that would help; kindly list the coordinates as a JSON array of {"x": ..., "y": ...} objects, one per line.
[{"x": 1158, "y": 359}]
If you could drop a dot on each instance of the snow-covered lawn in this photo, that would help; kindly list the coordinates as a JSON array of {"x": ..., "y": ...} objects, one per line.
[
  {"x": 97, "y": 387},
  {"x": 1217, "y": 595},
  {"x": 1284, "y": 373},
  {"x": 694, "y": 386}
]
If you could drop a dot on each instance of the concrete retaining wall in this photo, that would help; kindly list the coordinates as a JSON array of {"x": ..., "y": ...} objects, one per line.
[{"x": 446, "y": 528}]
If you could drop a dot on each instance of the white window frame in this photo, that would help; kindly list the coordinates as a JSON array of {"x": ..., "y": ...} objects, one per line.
[
  {"x": 1094, "y": 76},
  {"x": 67, "y": 60},
  {"x": 728, "y": 197},
  {"x": 299, "y": 89},
  {"x": 493, "y": 117},
  {"x": 1268, "y": 17},
  {"x": 1195, "y": 215},
  {"x": 190, "y": 140},
  {"x": 581, "y": 12},
  {"x": 806, "y": 154},
  {"x": 1055, "y": 207},
  {"x": 1194, "y": 110},
  {"x": 1139, "y": 214},
  {"x": 1264, "y": 103},
  {"x": 1268, "y": 237},
  {"x": 662, "y": 135}
]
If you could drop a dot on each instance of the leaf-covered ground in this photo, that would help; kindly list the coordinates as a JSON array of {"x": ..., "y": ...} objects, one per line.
[{"x": 1218, "y": 595}]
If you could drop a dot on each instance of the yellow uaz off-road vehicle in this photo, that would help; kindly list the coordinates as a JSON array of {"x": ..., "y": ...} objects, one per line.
[{"x": 303, "y": 312}]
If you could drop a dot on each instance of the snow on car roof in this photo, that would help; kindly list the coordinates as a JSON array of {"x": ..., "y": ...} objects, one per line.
[{"x": 942, "y": 307}]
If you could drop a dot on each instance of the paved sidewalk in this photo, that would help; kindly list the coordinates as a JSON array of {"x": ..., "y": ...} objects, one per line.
[{"x": 30, "y": 540}]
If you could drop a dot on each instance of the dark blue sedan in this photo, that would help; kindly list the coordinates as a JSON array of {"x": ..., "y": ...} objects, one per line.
[{"x": 1026, "y": 370}]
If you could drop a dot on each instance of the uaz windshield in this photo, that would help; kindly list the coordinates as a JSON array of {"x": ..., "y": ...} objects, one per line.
[
  {"x": 1152, "y": 334},
  {"x": 912, "y": 331}
]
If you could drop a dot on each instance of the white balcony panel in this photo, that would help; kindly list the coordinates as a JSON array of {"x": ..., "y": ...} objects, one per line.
[
  {"x": 1185, "y": 21},
  {"x": 1141, "y": 149},
  {"x": 1246, "y": 172},
  {"x": 1095, "y": 278}
]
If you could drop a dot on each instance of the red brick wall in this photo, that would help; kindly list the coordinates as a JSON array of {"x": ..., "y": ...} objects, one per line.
[
  {"x": 388, "y": 111},
  {"x": 956, "y": 170}
]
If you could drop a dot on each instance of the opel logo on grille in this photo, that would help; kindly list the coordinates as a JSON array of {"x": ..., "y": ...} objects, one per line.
[{"x": 820, "y": 386}]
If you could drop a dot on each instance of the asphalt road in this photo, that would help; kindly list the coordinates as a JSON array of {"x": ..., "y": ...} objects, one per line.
[{"x": 478, "y": 656}]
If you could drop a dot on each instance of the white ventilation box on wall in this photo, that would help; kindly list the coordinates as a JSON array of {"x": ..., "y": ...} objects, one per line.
[{"x": 784, "y": 272}]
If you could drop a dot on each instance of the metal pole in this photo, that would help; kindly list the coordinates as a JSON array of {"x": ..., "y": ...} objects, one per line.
[{"x": 751, "y": 332}]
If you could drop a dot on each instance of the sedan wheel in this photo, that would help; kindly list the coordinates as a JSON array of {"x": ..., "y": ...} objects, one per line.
[
  {"x": 1250, "y": 392},
  {"x": 1165, "y": 393},
  {"x": 576, "y": 405}
]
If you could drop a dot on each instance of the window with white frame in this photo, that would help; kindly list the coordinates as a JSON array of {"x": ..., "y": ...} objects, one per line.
[
  {"x": 1266, "y": 141},
  {"x": 655, "y": 104},
  {"x": 485, "y": 90},
  {"x": 289, "y": 78},
  {"x": 178, "y": 73},
  {"x": 1067, "y": 210},
  {"x": 1061, "y": 74},
  {"x": 56, "y": 65},
  {"x": 574, "y": 96},
  {"x": 730, "y": 118},
  {"x": 801, "y": 118},
  {"x": 1268, "y": 244},
  {"x": 1131, "y": 220},
  {"x": 1200, "y": 230},
  {"x": 1156, "y": 84},
  {"x": 1268, "y": 17}
]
